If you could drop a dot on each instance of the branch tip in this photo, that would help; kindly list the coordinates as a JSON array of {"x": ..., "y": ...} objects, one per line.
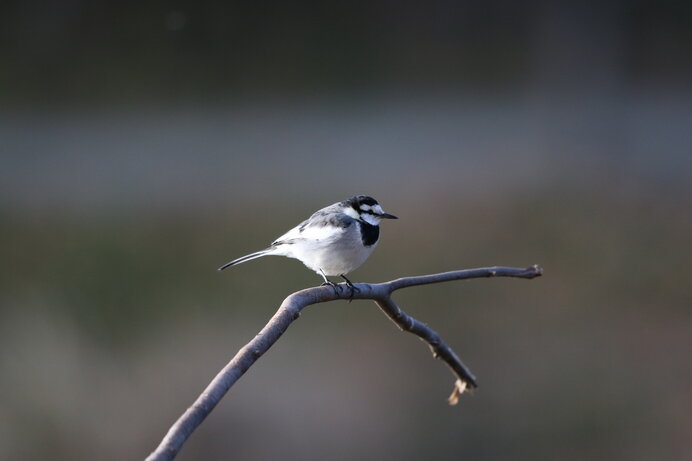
[{"x": 459, "y": 388}]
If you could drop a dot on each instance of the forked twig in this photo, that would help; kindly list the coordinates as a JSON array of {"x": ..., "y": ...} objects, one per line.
[{"x": 290, "y": 310}]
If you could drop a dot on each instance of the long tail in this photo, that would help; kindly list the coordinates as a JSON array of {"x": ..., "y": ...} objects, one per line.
[{"x": 255, "y": 255}]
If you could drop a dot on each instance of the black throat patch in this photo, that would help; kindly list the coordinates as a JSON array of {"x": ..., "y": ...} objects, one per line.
[{"x": 369, "y": 233}]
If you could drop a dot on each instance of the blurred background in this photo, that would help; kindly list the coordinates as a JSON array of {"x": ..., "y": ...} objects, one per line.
[{"x": 143, "y": 145}]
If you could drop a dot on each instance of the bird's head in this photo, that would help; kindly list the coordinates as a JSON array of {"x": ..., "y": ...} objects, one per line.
[{"x": 366, "y": 209}]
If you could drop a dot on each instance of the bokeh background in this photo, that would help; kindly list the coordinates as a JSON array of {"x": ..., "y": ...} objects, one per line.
[{"x": 144, "y": 144}]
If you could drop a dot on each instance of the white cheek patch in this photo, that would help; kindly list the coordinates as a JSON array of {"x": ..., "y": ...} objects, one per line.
[
  {"x": 351, "y": 212},
  {"x": 370, "y": 219}
]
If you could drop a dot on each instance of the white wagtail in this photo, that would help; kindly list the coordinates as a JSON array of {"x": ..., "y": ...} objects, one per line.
[{"x": 333, "y": 241}]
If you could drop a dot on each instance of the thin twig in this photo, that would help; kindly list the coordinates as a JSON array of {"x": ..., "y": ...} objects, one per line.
[{"x": 290, "y": 311}]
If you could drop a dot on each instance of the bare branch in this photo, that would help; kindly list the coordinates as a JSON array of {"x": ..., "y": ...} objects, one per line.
[
  {"x": 290, "y": 311},
  {"x": 439, "y": 349}
]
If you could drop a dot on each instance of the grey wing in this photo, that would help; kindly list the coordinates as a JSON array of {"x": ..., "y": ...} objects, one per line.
[
  {"x": 323, "y": 224},
  {"x": 323, "y": 218}
]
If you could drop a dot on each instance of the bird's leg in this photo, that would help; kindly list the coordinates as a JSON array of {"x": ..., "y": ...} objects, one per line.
[
  {"x": 328, "y": 282},
  {"x": 351, "y": 286}
]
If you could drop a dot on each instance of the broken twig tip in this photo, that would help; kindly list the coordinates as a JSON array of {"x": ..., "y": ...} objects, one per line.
[{"x": 459, "y": 388}]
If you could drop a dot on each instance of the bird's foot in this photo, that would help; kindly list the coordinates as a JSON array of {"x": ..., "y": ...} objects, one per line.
[
  {"x": 350, "y": 284},
  {"x": 331, "y": 284},
  {"x": 328, "y": 282}
]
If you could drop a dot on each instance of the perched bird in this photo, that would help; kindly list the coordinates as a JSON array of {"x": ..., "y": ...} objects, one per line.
[{"x": 333, "y": 241}]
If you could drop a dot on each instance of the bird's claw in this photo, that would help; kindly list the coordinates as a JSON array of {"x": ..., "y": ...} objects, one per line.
[
  {"x": 331, "y": 284},
  {"x": 337, "y": 288},
  {"x": 353, "y": 288}
]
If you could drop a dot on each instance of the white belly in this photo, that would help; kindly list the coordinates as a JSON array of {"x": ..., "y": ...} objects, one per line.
[{"x": 335, "y": 257}]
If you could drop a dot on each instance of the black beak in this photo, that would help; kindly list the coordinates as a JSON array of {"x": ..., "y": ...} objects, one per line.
[{"x": 387, "y": 216}]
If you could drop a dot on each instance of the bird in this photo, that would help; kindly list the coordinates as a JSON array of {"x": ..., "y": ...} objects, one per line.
[{"x": 333, "y": 241}]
